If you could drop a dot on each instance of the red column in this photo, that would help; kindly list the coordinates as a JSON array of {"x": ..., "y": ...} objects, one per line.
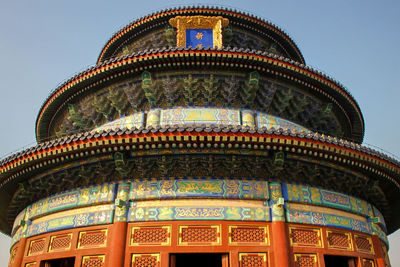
[
  {"x": 19, "y": 256},
  {"x": 280, "y": 244},
  {"x": 117, "y": 244},
  {"x": 380, "y": 258}
]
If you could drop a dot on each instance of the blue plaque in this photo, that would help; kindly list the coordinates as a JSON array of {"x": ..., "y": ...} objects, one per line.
[{"x": 199, "y": 37}]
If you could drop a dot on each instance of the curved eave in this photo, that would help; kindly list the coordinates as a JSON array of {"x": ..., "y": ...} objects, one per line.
[
  {"x": 163, "y": 59},
  {"x": 319, "y": 147},
  {"x": 122, "y": 35}
]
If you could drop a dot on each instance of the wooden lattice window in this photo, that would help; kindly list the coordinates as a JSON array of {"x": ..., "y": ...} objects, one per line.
[
  {"x": 150, "y": 236},
  {"x": 305, "y": 260},
  {"x": 249, "y": 235},
  {"x": 95, "y": 238},
  {"x": 368, "y": 263},
  {"x": 145, "y": 260},
  {"x": 363, "y": 243},
  {"x": 13, "y": 253},
  {"x": 252, "y": 259},
  {"x": 340, "y": 240},
  {"x": 199, "y": 235},
  {"x": 36, "y": 246},
  {"x": 305, "y": 237},
  {"x": 60, "y": 242},
  {"x": 93, "y": 261}
]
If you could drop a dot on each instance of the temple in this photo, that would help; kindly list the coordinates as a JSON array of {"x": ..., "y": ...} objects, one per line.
[{"x": 199, "y": 138}]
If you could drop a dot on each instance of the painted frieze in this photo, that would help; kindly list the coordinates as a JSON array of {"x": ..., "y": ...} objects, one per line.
[
  {"x": 75, "y": 198},
  {"x": 199, "y": 115},
  {"x": 307, "y": 214},
  {"x": 135, "y": 120},
  {"x": 318, "y": 196},
  {"x": 215, "y": 188},
  {"x": 269, "y": 121},
  {"x": 121, "y": 202},
  {"x": 165, "y": 210}
]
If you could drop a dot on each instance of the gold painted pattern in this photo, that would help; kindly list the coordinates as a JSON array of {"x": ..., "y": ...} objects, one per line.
[{"x": 182, "y": 23}]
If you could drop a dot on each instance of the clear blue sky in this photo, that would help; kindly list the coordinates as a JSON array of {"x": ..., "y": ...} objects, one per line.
[{"x": 42, "y": 43}]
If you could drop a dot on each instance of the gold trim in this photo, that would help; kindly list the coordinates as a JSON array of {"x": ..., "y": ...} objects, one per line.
[
  {"x": 181, "y": 227},
  {"x": 317, "y": 230},
  {"x": 30, "y": 264},
  {"x": 266, "y": 237},
  {"x": 134, "y": 256},
  {"x": 60, "y": 249},
  {"x": 350, "y": 246},
  {"x": 79, "y": 246},
  {"x": 168, "y": 243},
  {"x": 182, "y": 23}
]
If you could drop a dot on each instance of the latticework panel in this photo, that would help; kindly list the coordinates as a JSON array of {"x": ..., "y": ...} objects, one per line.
[
  {"x": 12, "y": 255},
  {"x": 363, "y": 243},
  {"x": 199, "y": 235},
  {"x": 150, "y": 236},
  {"x": 93, "y": 261},
  {"x": 252, "y": 259},
  {"x": 305, "y": 237},
  {"x": 145, "y": 260},
  {"x": 368, "y": 263},
  {"x": 36, "y": 246},
  {"x": 339, "y": 240},
  {"x": 60, "y": 242},
  {"x": 96, "y": 238},
  {"x": 305, "y": 260},
  {"x": 248, "y": 235}
]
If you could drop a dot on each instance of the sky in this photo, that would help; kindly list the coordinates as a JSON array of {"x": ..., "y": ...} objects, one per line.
[{"x": 43, "y": 43}]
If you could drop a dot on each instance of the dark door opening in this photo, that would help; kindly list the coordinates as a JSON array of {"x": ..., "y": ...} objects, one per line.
[
  {"x": 339, "y": 261},
  {"x": 199, "y": 260},
  {"x": 64, "y": 262}
]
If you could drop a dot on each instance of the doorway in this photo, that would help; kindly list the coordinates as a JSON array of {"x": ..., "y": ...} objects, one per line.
[
  {"x": 64, "y": 262},
  {"x": 199, "y": 260},
  {"x": 339, "y": 261}
]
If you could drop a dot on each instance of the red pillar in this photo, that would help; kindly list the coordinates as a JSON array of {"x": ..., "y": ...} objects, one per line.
[
  {"x": 380, "y": 257},
  {"x": 19, "y": 256},
  {"x": 280, "y": 244},
  {"x": 117, "y": 245}
]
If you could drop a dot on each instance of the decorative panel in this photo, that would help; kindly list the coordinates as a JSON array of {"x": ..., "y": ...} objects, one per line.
[
  {"x": 12, "y": 255},
  {"x": 93, "y": 261},
  {"x": 363, "y": 243},
  {"x": 30, "y": 264},
  {"x": 339, "y": 240},
  {"x": 145, "y": 260},
  {"x": 308, "y": 214},
  {"x": 192, "y": 209},
  {"x": 79, "y": 197},
  {"x": 135, "y": 120},
  {"x": 368, "y": 263},
  {"x": 215, "y": 188},
  {"x": 95, "y": 238},
  {"x": 248, "y": 235},
  {"x": 305, "y": 237},
  {"x": 270, "y": 121},
  {"x": 322, "y": 197},
  {"x": 253, "y": 260},
  {"x": 199, "y": 115},
  {"x": 36, "y": 246},
  {"x": 305, "y": 260},
  {"x": 199, "y": 235},
  {"x": 93, "y": 215},
  {"x": 60, "y": 242},
  {"x": 151, "y": 236}
]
